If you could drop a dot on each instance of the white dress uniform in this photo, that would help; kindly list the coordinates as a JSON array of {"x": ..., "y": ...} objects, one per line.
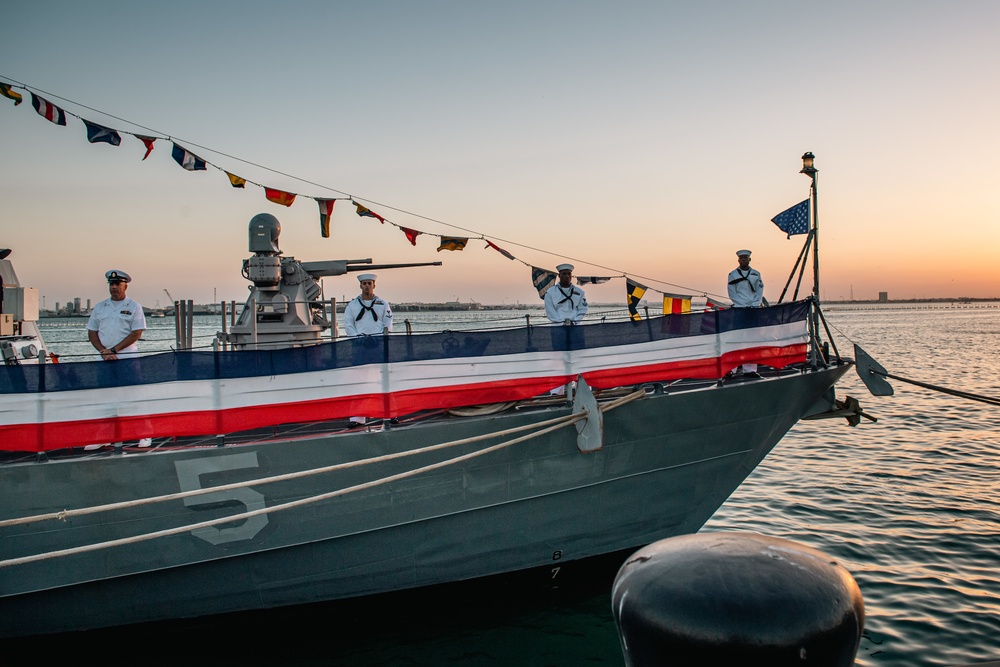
[
  {"x": 565, "y": 303},
  {"x": 367, "y": 318},
  {"x": 115, "y": 320},
  {"x": 746, "y": 290},
  {"x": 562, "y": 304}
]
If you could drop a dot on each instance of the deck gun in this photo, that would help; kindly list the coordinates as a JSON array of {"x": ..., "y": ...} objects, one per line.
[{"x": 286, "y": 298}]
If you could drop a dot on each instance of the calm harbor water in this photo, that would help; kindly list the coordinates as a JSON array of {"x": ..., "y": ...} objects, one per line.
[{"x": 910, "y": 505}]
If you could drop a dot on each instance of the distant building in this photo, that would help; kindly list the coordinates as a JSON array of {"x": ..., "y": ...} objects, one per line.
[
  {"x": 76, "y": 305},
  {"x": 883, "y": 297}
]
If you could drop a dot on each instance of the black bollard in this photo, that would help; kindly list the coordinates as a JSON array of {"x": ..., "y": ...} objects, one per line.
[{"x": 736, "y": 599}]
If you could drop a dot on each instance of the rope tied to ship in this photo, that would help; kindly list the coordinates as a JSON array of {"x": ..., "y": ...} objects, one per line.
[
  {"x": 543, "y": 427},
  {"x": 944, "y": 390},
  {"x": 873, "y": 374}
]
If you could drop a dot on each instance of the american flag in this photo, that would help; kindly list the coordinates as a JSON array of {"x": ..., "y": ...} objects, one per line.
[{"x": 794, "y": 220}]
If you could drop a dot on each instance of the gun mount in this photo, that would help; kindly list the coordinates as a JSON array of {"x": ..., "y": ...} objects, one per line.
[
  {"x": 20, "y": 340},
  {"x": 286, "y": 307}
]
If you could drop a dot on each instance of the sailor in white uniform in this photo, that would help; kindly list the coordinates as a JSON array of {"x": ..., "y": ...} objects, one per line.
[
  {"x": 367, "y": 315},
  {"x": 565, "y": 303},
  {"x": 746, "y": 290}
]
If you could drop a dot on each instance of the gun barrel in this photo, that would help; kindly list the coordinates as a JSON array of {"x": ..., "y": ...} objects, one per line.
[
  {"x": 379, "y": 267},
  {"x": 338, "y": 267}
]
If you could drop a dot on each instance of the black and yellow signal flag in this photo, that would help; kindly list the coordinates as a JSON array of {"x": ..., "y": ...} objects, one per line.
[{"x": 635, "y": 292}]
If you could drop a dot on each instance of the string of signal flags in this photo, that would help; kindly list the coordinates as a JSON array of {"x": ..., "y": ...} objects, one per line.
[{"x": 542, "y": 279}]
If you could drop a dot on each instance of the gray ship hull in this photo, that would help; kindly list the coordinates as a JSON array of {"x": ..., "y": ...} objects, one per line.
[{"x": 667, "y": 463}]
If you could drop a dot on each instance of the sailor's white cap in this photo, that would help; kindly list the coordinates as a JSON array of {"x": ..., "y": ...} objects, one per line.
[
  {"x": 367, "y": 276},
  {"x": 564, "y": 267},
  {"x": 740, "y": 253},
  {"x": 114, "y": 275}
]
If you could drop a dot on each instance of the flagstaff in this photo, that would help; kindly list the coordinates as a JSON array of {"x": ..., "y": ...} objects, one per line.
[{"x": 809, "y": 170}]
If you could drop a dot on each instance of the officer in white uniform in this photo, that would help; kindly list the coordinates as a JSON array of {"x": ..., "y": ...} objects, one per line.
[
  {"x": 116, "y": 324},
  {"x": 746, "y": 290},
  {"x": 565, "y": 303},
  {"x": 367, "y": 315}
]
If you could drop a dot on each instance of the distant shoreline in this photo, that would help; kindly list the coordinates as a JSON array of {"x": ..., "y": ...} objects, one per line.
[{"x": 962, "y": 299}]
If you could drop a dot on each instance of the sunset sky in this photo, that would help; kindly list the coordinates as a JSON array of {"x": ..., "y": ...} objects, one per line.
[{"x": 652, "y": 139}]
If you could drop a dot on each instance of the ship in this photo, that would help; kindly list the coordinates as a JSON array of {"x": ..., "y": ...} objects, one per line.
[{"x": 485, "y": 453}]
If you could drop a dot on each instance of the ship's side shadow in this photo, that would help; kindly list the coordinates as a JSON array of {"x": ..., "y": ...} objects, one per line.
[{"x": 553, "y": 615}]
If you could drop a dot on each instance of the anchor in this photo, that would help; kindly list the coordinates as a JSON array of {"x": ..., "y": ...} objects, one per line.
[{"x": 849, "y": 408}]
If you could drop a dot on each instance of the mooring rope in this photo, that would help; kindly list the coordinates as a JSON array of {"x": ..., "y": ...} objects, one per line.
[
  {"x": 944, "y": 390},
  {"x": 618, "y": 402},
  {"x": 549, "y": 426},
  {"x": 66, "y": 514}
]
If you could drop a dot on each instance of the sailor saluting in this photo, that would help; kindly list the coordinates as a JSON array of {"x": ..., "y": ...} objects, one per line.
[
  {"x": 746, "y": 288},
  {"x": 367, "y": 315},
  {"x": 565, "y": 303}
]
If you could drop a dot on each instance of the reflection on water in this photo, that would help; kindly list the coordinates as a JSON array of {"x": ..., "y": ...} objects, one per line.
[{"x": 910, "y": 504}]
